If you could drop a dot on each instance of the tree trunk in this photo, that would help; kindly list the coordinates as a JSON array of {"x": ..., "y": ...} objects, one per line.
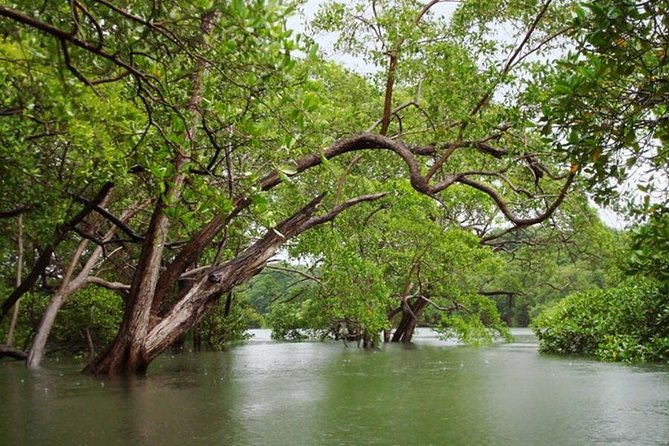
[
  {"x": 136, "y": 346},
  {"x": 410, "y": 315},
  {"x": 128, "y": 353},
  {"x": 89, "y": 342},
  {"x": 19, "y": 273},
  {"x": 70, "y": 286},
  {"x": 67, "y": 287}
]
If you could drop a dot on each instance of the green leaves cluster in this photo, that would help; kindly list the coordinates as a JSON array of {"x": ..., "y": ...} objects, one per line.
[
  {"x": 608, "y": 103},
  {"x": 650, "y": 249},
  {"x": 625, "y": 322}
]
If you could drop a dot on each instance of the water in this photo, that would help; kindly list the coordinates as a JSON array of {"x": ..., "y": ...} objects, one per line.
[{"x": 266, "y": 393}]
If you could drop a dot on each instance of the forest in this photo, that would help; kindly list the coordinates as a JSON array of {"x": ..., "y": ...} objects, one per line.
[{"x": 173, "y": 173}]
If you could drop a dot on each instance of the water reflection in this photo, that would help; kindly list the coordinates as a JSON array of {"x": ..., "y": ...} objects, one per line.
[{"x": 323, "y": 393}]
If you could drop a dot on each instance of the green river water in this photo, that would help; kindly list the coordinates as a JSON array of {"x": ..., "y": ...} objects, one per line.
[{"x": 267, "y": 393}]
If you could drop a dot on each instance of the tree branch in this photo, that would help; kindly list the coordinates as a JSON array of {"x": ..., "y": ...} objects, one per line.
[
  {"x": 339, "y": 209},
  {"x": 111, "y": 218},
  {"x": 114, "y": 286},
  {"x": 14, "y": 212},
  {"x": 510, "y": 61}
]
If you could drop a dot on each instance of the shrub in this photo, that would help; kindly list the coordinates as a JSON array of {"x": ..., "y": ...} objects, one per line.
[{"x": 627, "y": 323}]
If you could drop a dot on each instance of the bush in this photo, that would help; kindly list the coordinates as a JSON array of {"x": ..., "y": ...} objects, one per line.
[
  {"x": 31, "y": 308},
  {"x": 627, "y": 323},
  {"x": 88, "y": 321},
  {"x": 293, "y": 321},
  {"x": 217, "y": 327}
]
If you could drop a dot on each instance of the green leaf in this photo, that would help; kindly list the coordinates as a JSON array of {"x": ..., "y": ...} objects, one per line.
[{"x": 288, "y": 169}]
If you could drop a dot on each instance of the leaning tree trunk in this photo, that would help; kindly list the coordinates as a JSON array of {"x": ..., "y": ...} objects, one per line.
[
  {"x": 128, "y": 353},
  {"x": 19, "y": 273},
  {"x": 67, "y": 287},
  {"x": 410, "y": 315},
  {"x": 137, "y": 345},
  {"x": 141, "y": 340}
]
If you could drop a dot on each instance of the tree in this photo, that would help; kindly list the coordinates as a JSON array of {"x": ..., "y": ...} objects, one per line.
[
  {"x": 608, "y": 103},
  {"x": 398, "y": 264},
  {"x": 215, "y": 140}
]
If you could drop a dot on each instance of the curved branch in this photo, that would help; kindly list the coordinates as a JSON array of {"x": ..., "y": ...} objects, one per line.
[
  {"x": 362, "y": 141},
  {"x": 304, "y": 275},
  {"x": 504, "y": 207},
  {"x": 339, "y": 209}
]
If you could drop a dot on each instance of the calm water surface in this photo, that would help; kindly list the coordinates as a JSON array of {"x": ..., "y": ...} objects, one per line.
[{"x": 266, "y": 393}]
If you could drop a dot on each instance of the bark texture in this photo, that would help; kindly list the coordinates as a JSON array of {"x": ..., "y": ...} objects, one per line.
[{"x": 411, "y": 313}]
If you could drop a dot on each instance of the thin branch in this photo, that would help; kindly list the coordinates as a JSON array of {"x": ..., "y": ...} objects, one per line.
[
  {"x": 114, "y": 286},
  {"x": 510, "y": 61},
  {"x": 454, "y": 307},
  {"x": 69, "y": 37},
  {"x": 295, "y": 271},
  {"x": 340, "y": 208},
  {"x": 112, "y": 219}
]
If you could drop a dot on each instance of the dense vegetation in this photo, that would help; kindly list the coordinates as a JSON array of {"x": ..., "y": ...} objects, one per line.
[
  {"x": 626, "y": 322},
  {"x": 159, "y": 157}
]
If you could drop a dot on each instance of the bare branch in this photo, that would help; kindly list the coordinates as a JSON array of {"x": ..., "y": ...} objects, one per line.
[
  {"x": 504, "y": 207},
  {"x": 340, "y": 208},
  {"x": 295, "y": 271},
  {"x": 510, "y": 61},
  {"x": 114, "y": 286},
  {"x": 112, "y": 219}
]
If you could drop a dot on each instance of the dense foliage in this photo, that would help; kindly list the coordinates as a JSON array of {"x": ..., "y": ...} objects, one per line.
[
  {"x": 608, "y": 101},
  {"x": 85, "y": 324},
  {"x": 629, "y": 322},
  {"x": 609, "y": 104}
]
